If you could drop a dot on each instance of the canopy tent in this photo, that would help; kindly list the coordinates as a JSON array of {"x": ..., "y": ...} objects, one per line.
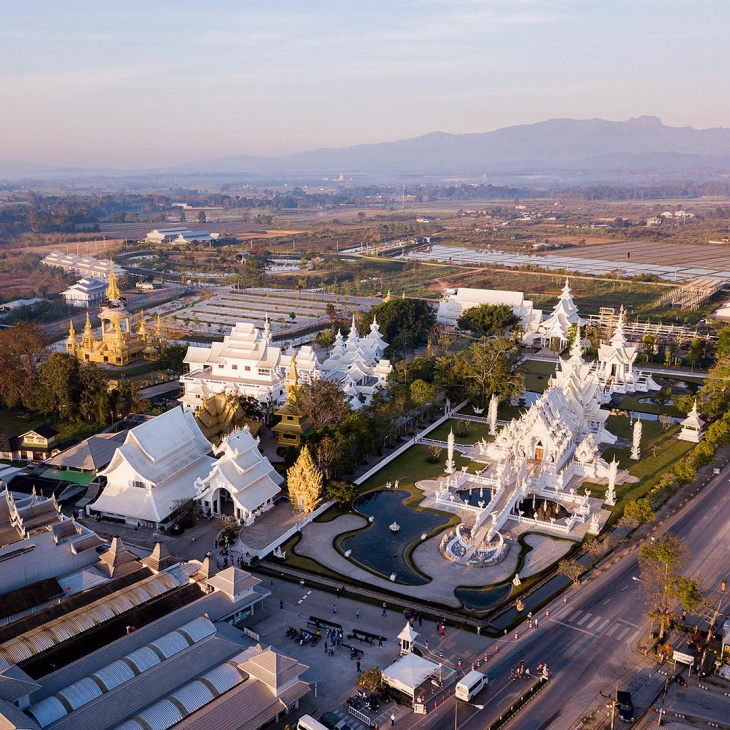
[{"x": 409, "y": 672}]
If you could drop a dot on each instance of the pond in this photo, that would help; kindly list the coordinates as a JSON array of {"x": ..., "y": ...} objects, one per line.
[
  {"x": 483, "y": 599},
  {"x": 554, "y": 509},
  {"x": 474, "y": 495},
  {"x": 381, "y": 550}
]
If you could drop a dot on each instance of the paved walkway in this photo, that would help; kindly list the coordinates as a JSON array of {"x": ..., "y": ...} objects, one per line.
[
  {"x": 545, "y": 551},
  {"x": 317, "y": 540}
]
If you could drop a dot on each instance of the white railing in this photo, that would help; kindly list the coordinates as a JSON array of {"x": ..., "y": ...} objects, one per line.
[
  {"x": 262, "y": 552},
  {"x": 541, "y": 523}
]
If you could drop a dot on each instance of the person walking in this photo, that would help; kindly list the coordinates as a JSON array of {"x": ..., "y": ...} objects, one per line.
[
  {"x": 380, "y": 642},
  {"x": 385, "y": 613},
  {"x": 334, "y": 609},
  {"x": 357, "y": 612},
  {"x": 358, "y": 666},
  {"x": 325, "y": 646},
  {"x": 392, "y": 719},
  {"x": 281, "y": 603},
  {"x": 420, "y": 619}
]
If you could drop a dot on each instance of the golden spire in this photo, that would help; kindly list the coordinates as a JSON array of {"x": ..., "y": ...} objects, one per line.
[
  {"x": 404, "y": 294},
  {"x": 88, "y": 331},
  {"x": 71, "y": 330},
  {"x": 387, "y": 296},
  {"x": 158, "y": 326},
  {"x": 292, "y": 377},
  {"x": 112, "y": 291},
  {"x": 142, "y": 325}
]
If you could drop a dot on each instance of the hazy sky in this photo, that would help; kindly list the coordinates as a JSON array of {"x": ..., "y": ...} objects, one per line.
[{"x": 132, "y": 84}]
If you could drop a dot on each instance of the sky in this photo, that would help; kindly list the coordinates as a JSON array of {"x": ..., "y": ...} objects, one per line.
[{"x": 133, "y": 84}]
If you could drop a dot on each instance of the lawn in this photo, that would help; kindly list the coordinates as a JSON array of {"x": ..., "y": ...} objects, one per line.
[
  {"x": 633, "y": 403},
  {"x": 476, "y": 432},
  {"x": 537, "y": 374},
  {"x": 15, "y": 422},
  {"x": 660, "y": 450}
]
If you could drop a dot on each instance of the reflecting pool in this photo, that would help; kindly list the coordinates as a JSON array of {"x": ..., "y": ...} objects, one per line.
[{"x": 381, "y": 550}]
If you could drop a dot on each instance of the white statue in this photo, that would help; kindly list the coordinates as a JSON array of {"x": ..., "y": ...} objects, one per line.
[
  {"x": 516, "y": 580},
  {"x": 611, "y": 491},
  {"x": 450, "y": 463},
  {"x": 593, "y": 527},
  {"x": 636, "y": 439},
  {"x": 492, "y": 414}
]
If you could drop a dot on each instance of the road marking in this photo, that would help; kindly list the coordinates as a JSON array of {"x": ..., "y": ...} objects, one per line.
[
  {"x": 570, "y": 626},
  {"x": 584, "y": 619},
  {"x": 596, "y": 620},
  {"x": 606, "y": 601},
  {"x": 571, "y": 615},
  {"x": 611, "y": 630},
  {"x": 625, "y": 630},
  {"x": 603, "y": 625}
]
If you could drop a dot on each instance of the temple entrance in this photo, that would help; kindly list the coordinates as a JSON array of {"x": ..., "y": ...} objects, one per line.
[
  {"x": 223, "y": 504},
  {"x": 613, "y": 370},
  {"x": 539, "y": 451}
]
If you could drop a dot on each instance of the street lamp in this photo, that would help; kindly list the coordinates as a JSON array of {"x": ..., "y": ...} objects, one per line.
[{"x": 456, "y": 711}]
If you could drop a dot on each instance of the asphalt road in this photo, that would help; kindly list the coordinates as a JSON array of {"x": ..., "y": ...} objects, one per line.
[{"x": 589, "y": 644}]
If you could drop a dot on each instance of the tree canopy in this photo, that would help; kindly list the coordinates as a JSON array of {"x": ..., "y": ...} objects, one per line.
[
  {"x": 403, "y": 323},
  {"x": 488, "y": 319}
]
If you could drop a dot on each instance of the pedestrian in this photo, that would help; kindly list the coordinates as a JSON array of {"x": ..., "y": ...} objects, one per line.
[
  {"x": 281, "y": 603},
  {"x": 420, "y": 619},
  {"x": 385, "y": 613},
  {"x": 357, "y": 613},
  {"x": 479, "y": 630},
  {"x": 338, "y": 593},
  {"x": 358, "y": 666},
  {"x": 380, "y": 642},
  {"x": 392, "y": 719},
  {"x": 426, "y": 644},
  {"x": 334, "y": 609},
  {"x": 565, "y": 599},
  {"x": 547, "y": 613},
  {"x": 325, "y": 646},
  {"x": 537, "y": 621}
]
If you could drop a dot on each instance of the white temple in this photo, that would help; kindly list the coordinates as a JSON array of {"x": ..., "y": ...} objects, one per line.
[
  {"x": 455, "y": 303},
  {"x": 245, "y": 362},
  {"x": 358, "y": 364},
  {"x": 557, "y": 325},
  {"x": 248, "y": 364},
  {"x": 155, "y": 468},
  {"x": 615, "y": 366},
  {"x": 546, "y": 452},
  {"x": 692, "y": 427},
  {"x": 242, "y": 482}
]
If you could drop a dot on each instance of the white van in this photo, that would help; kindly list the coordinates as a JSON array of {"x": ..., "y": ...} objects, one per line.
[
  {"x": 307, "y": 722},
  {"x": 471, "y": 685}
]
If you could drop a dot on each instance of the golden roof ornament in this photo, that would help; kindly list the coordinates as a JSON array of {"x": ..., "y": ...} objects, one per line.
[{"x": 112, "y": 290}]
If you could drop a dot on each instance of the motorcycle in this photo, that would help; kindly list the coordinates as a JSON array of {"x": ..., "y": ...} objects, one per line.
[
  {"x": 291, "y": 633},
  {"x": 372, "y": 704},
  {"x": 680, "y": 680},
  {"x": 354, "y": 702}
]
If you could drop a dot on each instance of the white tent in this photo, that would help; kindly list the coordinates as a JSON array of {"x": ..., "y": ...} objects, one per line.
[{"x": 409, "y": 672}]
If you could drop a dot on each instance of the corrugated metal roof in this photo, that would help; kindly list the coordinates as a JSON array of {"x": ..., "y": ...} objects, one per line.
[
  {"x": 85, "y": 690},
  {"x": 161, "y": 715},
  {"x": 193, "y": 696},
  {"x": 223, "y": 678},
  {"x": 66, "y": 627}
]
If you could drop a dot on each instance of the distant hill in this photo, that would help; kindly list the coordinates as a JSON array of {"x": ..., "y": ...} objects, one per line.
[{"x": 643, "y": 144}]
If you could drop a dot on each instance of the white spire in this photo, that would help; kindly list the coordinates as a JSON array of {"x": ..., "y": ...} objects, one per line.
[
  {"x": 576, "y": 349},
  {"x": 619, "y": 339}
]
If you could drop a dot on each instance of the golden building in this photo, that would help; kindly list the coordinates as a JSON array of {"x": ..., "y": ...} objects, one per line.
[
  {"x": 292, "y": 427},
  {"x": 119, "y": 345}
]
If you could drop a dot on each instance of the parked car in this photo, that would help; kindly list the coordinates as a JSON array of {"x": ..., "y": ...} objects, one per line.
[{"x": 625, "y": 706}]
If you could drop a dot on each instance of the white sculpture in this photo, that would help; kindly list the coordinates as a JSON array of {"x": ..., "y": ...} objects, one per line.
[
  {"x": 692, "y": 426},
  {"x": 450, "y": 463},
  {"x": 516, "y": 580},
  {"x": 611, "y": 491},
  {"x": 593, "y": 527},
  {"x": 636, "y": 439},
  {"x": 477, "y": 411},
  {"x": 492, "y": 414}
]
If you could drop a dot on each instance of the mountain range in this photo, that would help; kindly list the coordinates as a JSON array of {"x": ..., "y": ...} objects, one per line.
[{"x": 643, "y": 146}]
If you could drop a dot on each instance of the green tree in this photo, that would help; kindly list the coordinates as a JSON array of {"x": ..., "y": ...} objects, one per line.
[
  {"x": 371, "y": 679},
  {"x": 422, "y": 393},
  {"x": 402, "y": 320},
  {"x": 488, "y": 319},
  {"x": 695, "y": 350},
  {"x": 202, "y": 217},
  {"x": 639, "y": 510},
  {"x": 58, "y": 387},
  {"x": 341, "y": 492},
  {"x": 325, "y": 338},
  {"x": 22, "y": 350},
  {"x": 321, "y": 402},
  {"x": 171, "y": 357}
]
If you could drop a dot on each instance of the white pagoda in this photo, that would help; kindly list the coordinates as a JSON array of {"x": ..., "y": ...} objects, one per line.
[
  {"x": 615, "y": 366},
  {"x": 241, "y": 482},
  {"x": 557, "y": 325},
  {"x": 358, "y": 364},
  {"x": 579, "y": 382},
  {"x": 692, "y": 427}
]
